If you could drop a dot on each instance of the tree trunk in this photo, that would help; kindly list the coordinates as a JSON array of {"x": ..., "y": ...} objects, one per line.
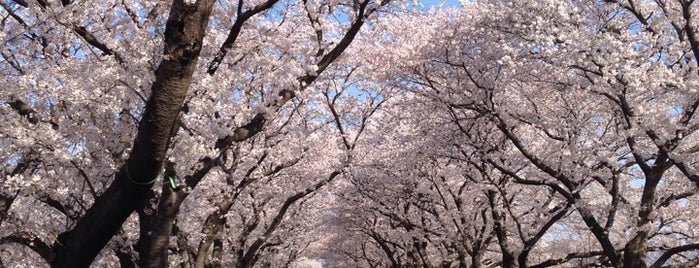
[
  {"x": 153, "y": 245},
  {"x": 636, "y": 250},
  {"x": 5, "y": 204},
  {"x": 184, "y": 33}
]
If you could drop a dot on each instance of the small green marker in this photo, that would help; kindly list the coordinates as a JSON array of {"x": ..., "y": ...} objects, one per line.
[{"x": 172, "y": 183}]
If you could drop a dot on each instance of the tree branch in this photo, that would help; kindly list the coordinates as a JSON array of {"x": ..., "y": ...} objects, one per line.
[{"x": 670, "y": 252}]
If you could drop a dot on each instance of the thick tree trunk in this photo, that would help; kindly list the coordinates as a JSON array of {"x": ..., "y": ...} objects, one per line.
[
  {"x": 6, "y": 201},
  {"x": 636, "y": 250},
  {"x": 475, "y": 260},
  {"x": 183, "y": 39},
  {"x": 508, "y": 259},
  {"x": 153, "y": 244},
  {"x": 80, "y": 246}
]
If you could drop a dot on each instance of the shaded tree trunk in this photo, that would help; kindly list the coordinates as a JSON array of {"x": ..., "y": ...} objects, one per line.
[
  {"x": 155, "y": 238},
  {"x": 5, "y": 204},
  {"x": 636, "y": 250}
]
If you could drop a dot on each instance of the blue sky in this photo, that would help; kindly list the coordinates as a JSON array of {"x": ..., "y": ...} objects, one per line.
[{"x": 444, "y": 3}]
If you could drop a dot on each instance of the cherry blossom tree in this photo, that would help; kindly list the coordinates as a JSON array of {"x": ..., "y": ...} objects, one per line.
[
  {"x": 354, "y": 133},
  {"x": 567, "y": 127},
  {"x": 106, "y": 100}
]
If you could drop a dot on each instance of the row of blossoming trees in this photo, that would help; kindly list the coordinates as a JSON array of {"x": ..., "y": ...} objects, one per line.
[
  {"x": 352, "y": 133},
  {"x": 532, "y": 134}
]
